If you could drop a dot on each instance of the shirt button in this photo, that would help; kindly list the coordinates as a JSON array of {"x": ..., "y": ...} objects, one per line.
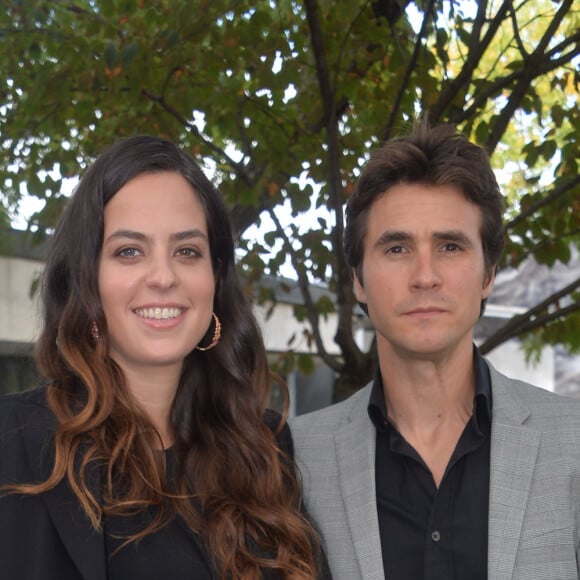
[{"x": 435, "y": 536}]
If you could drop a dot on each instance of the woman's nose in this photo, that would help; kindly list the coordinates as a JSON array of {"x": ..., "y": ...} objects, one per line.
[{"x": 161, "y": 272}]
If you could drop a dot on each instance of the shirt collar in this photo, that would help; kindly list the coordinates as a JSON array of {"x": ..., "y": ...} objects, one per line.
[{"x": 482, "y": 403}]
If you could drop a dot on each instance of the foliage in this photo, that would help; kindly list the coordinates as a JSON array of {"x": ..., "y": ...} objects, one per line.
[{"x": 283, "y": 100}]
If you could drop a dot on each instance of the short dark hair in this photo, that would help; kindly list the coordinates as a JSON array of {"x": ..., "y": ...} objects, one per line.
[{"x": 431, "y": 156}]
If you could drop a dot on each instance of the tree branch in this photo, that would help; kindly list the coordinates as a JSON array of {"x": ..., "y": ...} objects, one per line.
[
  {"x": 408, "y": 71},
  {"x": 187, "y": 124},
  {"x": 344, "y": 295},
  {"x": 304, "y": 286},
  {"x": 526, "y": 321},
  {"x": 495, "y": 87},
  {"x": 573, "y": 235},
  {"x": 574, "y": 40},
  {"x": 242, "y": 216},
  {"x": 322, "y": 71},
  {"x": 516, "y": 30},
  {"x": 476, "y": 50},
  {"x": 553, "y": 27},
  {"x": 525, "y": 327},
  {"x": 561, "y": 190},
  {"x": 343, "y": 44},
  {"x": 535, "y": 65},
  {"x": 544, "y": 320}
]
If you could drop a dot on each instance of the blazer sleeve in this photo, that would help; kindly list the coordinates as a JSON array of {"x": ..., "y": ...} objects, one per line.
[
  {"x": 30, "y": 546},
  {"x": 286, "y": 444}
]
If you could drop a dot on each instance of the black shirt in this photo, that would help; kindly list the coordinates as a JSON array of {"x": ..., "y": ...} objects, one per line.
[
  {"x": 172, "y": 553},
  {"x": 175, "y": 552},
  {"x": 428, "y": 532}
]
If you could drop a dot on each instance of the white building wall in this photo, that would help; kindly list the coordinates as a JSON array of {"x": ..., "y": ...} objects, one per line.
[
  {"x": 509, "y": 359},
  {"x": 19, "y": 327},
  {"x": 18, "y": 311},
  {"x": 19, "y": 321},
  {"x": 283, "y": 332}
]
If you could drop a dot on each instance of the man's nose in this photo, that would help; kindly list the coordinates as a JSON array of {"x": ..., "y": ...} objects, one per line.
[{"x": 425, "y": 273}]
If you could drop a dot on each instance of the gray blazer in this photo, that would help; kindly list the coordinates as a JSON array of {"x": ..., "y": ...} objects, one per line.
[{"x": 534, "y": 503}]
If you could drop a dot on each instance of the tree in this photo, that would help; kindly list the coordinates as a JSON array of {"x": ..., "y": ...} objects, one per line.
[{"x": 284, "y": 100}]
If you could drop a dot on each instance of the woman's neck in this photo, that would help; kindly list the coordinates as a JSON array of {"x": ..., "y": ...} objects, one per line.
[{"x": 153, "y": 390}]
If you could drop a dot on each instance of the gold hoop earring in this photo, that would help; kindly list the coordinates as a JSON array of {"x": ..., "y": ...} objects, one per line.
[{"x": 216, "y": 334}]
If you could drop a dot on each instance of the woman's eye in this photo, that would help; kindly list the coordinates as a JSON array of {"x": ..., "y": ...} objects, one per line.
[
  {"x": 128, "y": 253},
  {"x": 188, "y": 252}
]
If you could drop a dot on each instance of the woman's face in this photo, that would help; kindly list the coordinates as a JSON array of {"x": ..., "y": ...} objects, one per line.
[{"x": 156, "y": 281}]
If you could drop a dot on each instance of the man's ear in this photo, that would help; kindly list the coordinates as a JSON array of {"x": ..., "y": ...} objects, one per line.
[
  {"x": 488, "y": 282},
  {"x": 358, "y": 288}
]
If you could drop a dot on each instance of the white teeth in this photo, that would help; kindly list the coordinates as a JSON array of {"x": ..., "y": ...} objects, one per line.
[{"x": 158, "y": 313}]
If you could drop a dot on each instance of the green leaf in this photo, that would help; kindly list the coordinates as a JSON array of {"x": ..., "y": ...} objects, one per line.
[
  {"x": 482, "y": 133},
  {"x": 110, "y": 55},
  {"x": 76, "y": 79},
  {"x": 172, "y": 39},
  {"x": 305, "y": 364},
  {"x": 129, "y": 53}
]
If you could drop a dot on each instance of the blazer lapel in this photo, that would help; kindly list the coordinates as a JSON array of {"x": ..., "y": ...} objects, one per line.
[
  {"x": 355, "y": 450},
  {"x": 514, "y": 449},
  {"x": 85, "y": 546}
]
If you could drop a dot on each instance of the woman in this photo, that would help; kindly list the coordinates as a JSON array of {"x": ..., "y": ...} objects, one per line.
[{"x": 150, "y": 454}]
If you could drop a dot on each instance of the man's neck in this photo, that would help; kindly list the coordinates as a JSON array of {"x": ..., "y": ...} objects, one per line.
[{"x": 429, "y": 402}]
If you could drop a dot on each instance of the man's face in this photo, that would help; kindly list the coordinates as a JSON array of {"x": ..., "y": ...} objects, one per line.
[{"x": 423, "y": 270}]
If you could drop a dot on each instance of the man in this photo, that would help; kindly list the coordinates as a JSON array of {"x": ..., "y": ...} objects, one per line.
[{"x": 441, "y": 467}]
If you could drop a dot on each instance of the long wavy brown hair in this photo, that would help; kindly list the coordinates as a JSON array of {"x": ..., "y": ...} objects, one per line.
[{"x": 233, "y": 485}]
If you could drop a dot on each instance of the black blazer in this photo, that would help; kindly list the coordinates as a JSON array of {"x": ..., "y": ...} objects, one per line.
[{"x": 48, "y": 536}]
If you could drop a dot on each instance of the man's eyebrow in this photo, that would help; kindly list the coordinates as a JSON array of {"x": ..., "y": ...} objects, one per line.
[
  {"x": 396, "y": 236},
  {"x": 141, "y": 237},
  {"x": 390, "y": 236},
  {"x": 453, "y": 236}
]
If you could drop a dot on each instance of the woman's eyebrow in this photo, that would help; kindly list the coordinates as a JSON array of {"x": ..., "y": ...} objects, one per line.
[
  {"x": 130, "y": 234},
  {"x": 141, "y": 237},
  {"x": 187, "y": 235}
]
